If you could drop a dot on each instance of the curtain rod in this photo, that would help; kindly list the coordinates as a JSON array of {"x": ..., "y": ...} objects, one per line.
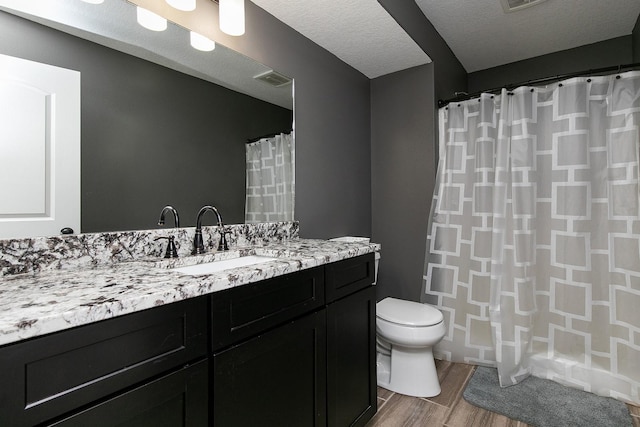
[
  {"x": 511, "y": 86},
  {"x": 269, "y": 135}
]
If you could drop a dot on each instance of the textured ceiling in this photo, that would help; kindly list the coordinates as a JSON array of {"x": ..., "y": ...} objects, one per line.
[
  {"x": 359, "y": 32},
  {"x": 363, "y": 34},
  {"x": 479, "y": 32},
  {"x": 482, "y": 35}
]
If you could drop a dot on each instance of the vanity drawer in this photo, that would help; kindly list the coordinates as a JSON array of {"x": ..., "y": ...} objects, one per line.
[
  {"x": 180, "y": 398},
  {"x": 247, "y": 310},
  {"x": 348, "y": 276},
  {"x": 51, "y": 375}
]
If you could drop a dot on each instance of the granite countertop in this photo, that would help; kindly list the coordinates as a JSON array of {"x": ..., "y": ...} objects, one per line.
[{"x": 34, "y": 304}]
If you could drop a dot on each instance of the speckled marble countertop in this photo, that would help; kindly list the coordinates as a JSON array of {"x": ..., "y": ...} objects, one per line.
[{"x": 34, "y": 304}]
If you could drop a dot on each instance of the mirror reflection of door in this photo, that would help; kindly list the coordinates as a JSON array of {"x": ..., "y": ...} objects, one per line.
[{"x": 39, "y": 148}]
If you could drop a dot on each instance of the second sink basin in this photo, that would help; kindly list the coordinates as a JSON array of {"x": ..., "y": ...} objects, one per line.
[{"x": 225, "y": 264}]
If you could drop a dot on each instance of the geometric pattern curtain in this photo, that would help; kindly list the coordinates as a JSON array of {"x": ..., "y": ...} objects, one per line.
[
  {"x": 533, "y": 246},
  {"x": 270, "y": 192}
]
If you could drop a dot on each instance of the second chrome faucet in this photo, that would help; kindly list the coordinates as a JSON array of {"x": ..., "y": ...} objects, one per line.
[{"x": 198, "y": 243}]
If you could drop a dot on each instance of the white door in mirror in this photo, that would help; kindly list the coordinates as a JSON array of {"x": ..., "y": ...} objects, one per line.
[{"x": 39, "y": 149}]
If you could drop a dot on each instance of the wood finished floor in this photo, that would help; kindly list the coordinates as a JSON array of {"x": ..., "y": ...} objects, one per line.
[{"x": 448, "y": 408}]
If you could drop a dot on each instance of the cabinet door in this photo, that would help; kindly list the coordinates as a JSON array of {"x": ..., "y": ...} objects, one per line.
[
  {"x": 351, "y": 363},
  {"x": 348, "y": 276},
  {"x": 245, "y": 311},
  {"x": 46, "y": 377},
  {"x": 175, "y": 400},
  {"x": 275, "y": 379}
]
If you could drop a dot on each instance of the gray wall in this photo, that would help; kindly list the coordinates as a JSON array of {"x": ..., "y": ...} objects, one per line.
[
  {"x": 402, "y": 178},
  {"x": 403, "y": 141},
  {"x": 617, "y": 51},
  {"x": 337, "y": 136},
  {"x": 333, "y": 162},
  {"x": 151, "y": 136},
  {"x": 333, "y": 154}
]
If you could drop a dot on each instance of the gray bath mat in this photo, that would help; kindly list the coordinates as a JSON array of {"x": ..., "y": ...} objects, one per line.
[{"x": 544, "y": 403}]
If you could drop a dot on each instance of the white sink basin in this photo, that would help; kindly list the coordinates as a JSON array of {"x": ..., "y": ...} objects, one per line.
[{"x": 224, "y": 264}]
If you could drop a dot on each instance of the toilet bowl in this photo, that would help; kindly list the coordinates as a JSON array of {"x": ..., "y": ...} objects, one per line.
[{"x": 406, "y": 333}]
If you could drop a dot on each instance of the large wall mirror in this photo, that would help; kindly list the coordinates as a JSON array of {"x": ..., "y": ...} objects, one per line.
[{"x": 161, "y": 122}]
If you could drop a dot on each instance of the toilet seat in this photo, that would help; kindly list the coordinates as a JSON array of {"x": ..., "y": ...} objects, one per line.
[{"x": 408, "y": 313}]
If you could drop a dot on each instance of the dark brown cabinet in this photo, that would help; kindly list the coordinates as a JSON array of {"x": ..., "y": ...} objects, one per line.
[
  {"x": 274, "y": 379},
  {"x": 351, "y": 342},
  {"x": 269, "y": 352},
  {"x": 295, "y": 350},
  {"x": 51, "y": 376},
  {"x": 246, "y": 311},
  {"x": 351, "y": 362},
  {"x": 177, "y": 399},
  {"x": 304, "y": 349}
]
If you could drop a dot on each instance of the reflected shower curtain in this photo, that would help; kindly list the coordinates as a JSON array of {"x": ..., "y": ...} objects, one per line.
[
  {"x": 270, "y": 192},
  {"x": 533, "y": 247}
]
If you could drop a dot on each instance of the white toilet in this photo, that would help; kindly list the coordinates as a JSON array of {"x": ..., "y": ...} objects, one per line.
[{"x": 406, "y": 334}]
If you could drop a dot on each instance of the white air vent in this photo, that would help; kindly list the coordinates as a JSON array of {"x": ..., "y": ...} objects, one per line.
[
  {"x": 273, "y": 78},
  {"x": 515, "y": 5}
]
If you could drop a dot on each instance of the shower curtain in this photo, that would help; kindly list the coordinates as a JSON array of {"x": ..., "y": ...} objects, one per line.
[
  {"x": 533, "y": 246},
  {"x": 270, "y": 192}
]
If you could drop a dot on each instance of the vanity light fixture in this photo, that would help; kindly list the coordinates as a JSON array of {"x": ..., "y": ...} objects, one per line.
[
  {"x": 186, "y": 5},
  {"x": 150, "y": 20},
  {"x": 232, "y": 17},
  {"x": 200, "y": 42},
  {"x": 94, "y": 1}
]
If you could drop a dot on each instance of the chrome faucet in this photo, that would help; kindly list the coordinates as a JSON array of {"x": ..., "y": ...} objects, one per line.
[
  {"x": 171, "y": 251},
  {"x": 198, "y": 244}
]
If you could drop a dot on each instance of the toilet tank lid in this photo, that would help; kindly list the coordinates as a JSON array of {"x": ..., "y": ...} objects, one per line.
[{"x": 408, "y": 312}]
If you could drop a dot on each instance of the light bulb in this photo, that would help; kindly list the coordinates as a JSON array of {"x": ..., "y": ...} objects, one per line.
[
  {"x": 150, "y": 20},
  {"x": 186, "y": 5},
  {"x": 200, "y": 42},
  {"x": 232, "y": 17}
]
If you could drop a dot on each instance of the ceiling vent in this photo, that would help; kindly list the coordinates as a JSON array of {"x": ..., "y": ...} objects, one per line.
[
  {"x": 273, "y": 78},
  {"x": 515, "y": 5}
]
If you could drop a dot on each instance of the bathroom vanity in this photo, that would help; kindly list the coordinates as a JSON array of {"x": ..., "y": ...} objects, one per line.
[
  {"x": 316, "y": 368},
  {"x": 287, "y": 342}
]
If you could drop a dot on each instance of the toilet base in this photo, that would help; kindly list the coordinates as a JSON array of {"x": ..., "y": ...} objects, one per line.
[{"x": 408, "y": 371}]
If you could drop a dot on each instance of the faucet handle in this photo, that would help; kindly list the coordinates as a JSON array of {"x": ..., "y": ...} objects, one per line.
[
  {"x": 222, "y": 244},
  {"x": 171, "y": 251}
]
